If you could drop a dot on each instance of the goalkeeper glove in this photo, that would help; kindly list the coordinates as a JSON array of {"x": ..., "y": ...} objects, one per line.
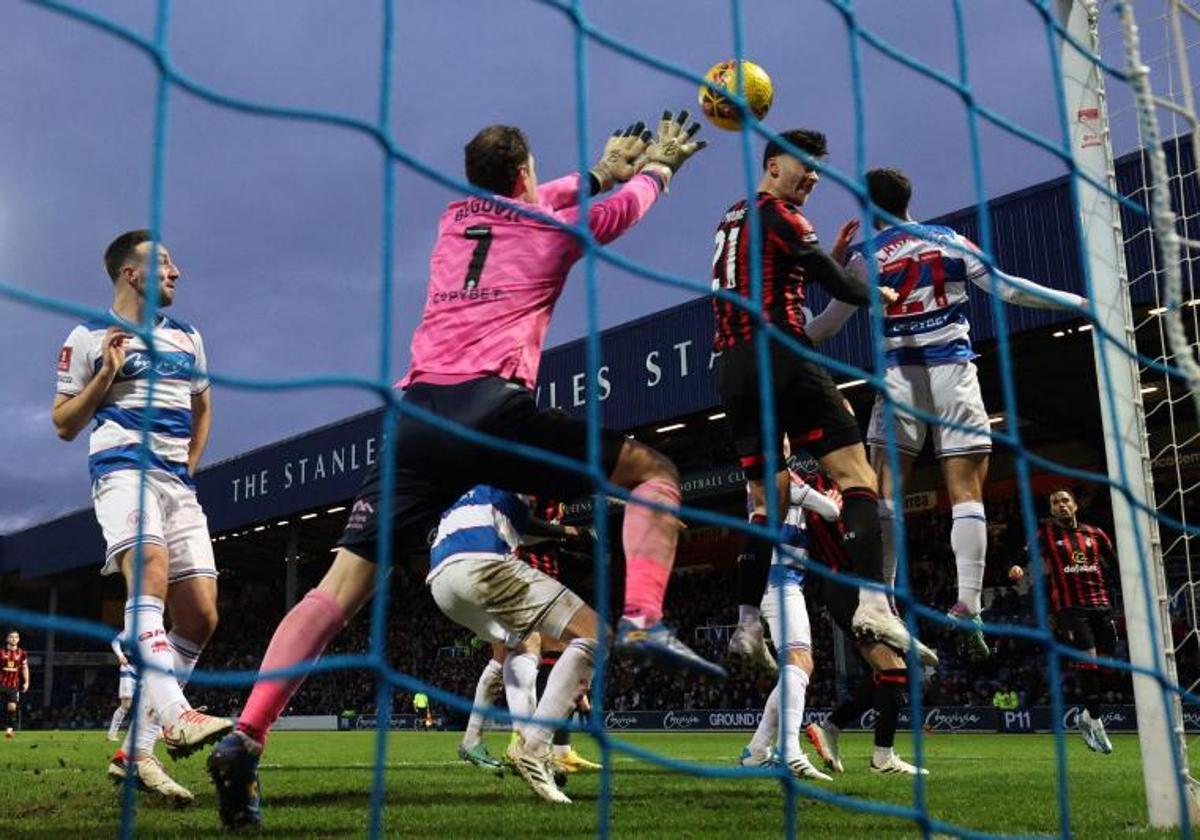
[
  {"x": 622, "y": 153},
  {"x": 673, "y": 146}
]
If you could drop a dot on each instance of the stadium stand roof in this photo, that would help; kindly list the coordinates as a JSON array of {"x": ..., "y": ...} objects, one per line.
[{"x": 654, "y": 368}]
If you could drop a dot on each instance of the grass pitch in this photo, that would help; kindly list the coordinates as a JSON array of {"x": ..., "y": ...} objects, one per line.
[{"x": 318, "y": 785}]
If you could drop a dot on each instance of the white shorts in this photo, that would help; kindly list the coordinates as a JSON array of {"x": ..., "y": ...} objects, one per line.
[
  {"x": 502, "y": 599},
  {"x": 794, "y": 609},
  {"x": 125, "y": 685},
  {"x": 949, "y": 392},
  {"x": 172, "y": 518}
]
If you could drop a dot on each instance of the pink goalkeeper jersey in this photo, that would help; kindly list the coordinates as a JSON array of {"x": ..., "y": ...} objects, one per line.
[{"x": 495, "y": 276}]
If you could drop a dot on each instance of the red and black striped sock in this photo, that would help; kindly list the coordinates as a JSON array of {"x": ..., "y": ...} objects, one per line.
[
  {"x": 863, "y": 539},
  {"x": 891, "y": 691}
]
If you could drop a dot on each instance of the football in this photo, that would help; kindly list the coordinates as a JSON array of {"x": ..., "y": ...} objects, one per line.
[{"x": 720, "y": 108}]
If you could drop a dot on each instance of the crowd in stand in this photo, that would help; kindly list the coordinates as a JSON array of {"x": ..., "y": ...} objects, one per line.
[{"x": 421, "y": 642}]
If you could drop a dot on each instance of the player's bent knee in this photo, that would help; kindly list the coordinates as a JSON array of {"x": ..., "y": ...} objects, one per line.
[
  {"x": 801, "y": 658},
  {"x": 350, "y": 581},
  {"x": 638, "y": 463},
  {"x": 585, "y": 624}
]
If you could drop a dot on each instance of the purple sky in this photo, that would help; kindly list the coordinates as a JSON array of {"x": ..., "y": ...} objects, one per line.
[{"x": 276, "y": 225}]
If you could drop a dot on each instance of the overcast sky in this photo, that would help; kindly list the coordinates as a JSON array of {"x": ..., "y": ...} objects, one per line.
[{"x": 276, "y": 224}]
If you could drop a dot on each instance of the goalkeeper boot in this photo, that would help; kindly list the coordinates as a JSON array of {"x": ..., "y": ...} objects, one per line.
[
  {"x": 660, "y": 644},
  {"x": 233, "y": 768},
  {"x": 896, "y": 766},
  {"x": 537, "y": 769},
  {"x": 573, "y": 762},
  {"x": 802, "y": 768},
  {"x": 881, "y": 626},
  {"x": 825, "y": 742},
  {"x": 194, "y": 730},
  {"x": 974, "y": 645},
  {"x": 479, "y": 756},
  {"x": 153, "y": 778},
  {"x": 758, "y": 758},
  {"x": 747, "y": 645}
]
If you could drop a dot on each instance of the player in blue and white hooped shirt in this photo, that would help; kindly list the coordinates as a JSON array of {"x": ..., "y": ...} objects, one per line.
[
  {"x": 126, "y": 681},
  {"x": 786, "y": 612},
  {"x": 927, "y": 343},
  {"x": 107, "y": 375},
  {"x": 477, "y": 580}
]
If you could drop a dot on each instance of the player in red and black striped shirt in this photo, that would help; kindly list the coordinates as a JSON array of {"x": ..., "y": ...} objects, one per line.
[
  {"x": 1074, "y": 556},
  {"x": 810, "y": 411},
  {"x": 14, "y": 678},
  {"x": 885, "y": 688}
]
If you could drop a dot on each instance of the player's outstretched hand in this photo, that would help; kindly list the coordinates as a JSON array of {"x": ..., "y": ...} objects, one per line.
[
  {"x": 622, "y": 155},
  {"x": 1016, "y": 573},
  {"x": 673, "y": 144},
  {"x": 841, "y": 245}
]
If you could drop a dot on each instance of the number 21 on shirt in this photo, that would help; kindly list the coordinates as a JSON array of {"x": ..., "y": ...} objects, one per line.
[{"x": 914, "y": 269}]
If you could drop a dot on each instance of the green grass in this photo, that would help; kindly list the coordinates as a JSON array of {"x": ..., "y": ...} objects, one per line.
[{"x": 318, "y": 785}]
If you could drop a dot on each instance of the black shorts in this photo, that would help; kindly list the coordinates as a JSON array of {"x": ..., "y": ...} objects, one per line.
[
  {"x": 809, "y": 408},
  {"x": 1086, "y": 628},
  {"x": 841, "y": 599},
  {"x": 433, "y": 467}
]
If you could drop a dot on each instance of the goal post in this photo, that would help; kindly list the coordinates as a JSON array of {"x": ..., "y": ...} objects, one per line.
[{"x": 1139, "y": 550}]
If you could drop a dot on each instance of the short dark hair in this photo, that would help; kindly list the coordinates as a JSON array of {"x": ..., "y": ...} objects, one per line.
[
  {"x": 890, "y": 190},
  {"x": 494, "y": 156},
  {"x": 804, "y": 139},
  {"x": 120, "y": 249}
]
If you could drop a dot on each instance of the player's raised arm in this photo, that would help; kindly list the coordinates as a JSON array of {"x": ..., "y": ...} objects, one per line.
[
  {"x": 828, "y": 506},
  {"x": 620, "y": 160},
  {"x": 80, "y": 391},
  {"x": 672, "y": 146},
  {"x": 800, "y": 241},
  {"x": 1016, "y": 290}
]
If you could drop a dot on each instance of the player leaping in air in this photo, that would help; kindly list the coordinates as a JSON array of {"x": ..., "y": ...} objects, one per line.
[
  {"x": 928, "y": 350},
  {"x": 495, "y": 275},
  {"x": 811, "y": 411}
]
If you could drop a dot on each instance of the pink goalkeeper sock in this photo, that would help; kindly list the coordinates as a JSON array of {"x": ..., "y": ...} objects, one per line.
[
  {"x": 649, "y": 538},
  {"x": 300, "y": 637}
]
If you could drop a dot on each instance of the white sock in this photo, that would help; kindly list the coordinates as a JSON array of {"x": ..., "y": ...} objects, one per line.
[
  {"x": 160, "y": 685},
  {"x": 520, "y": 687},
  {"x": 882, "y": 756},
  {"x": 968, "y": 538},
  {"x": 560, "y": 750},
  {"x": 887, "y": 515},
  {"x": 485, "y": 689},
  {"x": 749, "y": 616},
  {"x": 185, "y": 654},
  {"x": 118, "y": 718},
  {"x": 148, "y": 729},
  {"x": 571, "y": 669},
  {"x": 793, "y": 715},
  {"x": 768, "y": 726}
]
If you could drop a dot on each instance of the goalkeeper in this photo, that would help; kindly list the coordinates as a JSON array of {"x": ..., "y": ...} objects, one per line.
[{"x": 498, "y": 266}]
